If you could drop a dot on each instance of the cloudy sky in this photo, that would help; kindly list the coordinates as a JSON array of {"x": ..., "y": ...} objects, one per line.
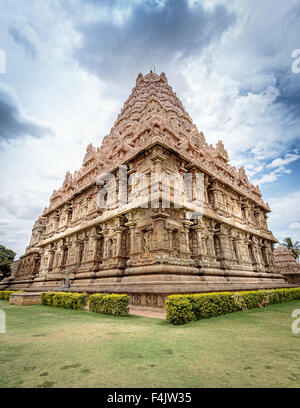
[{"x": 70, "y": 65}]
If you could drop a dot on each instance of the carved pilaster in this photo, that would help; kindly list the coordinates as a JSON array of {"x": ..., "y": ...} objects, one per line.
[
  {"x": 187, "y": 225},
  {"x": 132, "y": 225},
  {"x": 225, "y": 249}
]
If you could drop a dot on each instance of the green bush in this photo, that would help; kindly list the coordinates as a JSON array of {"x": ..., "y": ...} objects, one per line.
[
  {"x": 256, "y": 298},
  {"x": 109, "y": 304},
  {"x": 5, "y": 294},
  {"x": 75, "y": 301},
  {"x": 213, "y": 304},
  {"x": 182, "y": 309},
  {"x": 96, "y": 302},
  {"x": 179, "y": 310},
  {"x": 47, "y": 298}
]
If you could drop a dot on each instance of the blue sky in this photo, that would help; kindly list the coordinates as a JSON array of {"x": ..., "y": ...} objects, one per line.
[{"x": 70, "y": 65}]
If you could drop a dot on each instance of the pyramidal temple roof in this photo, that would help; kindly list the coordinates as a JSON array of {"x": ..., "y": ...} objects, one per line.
[
  {"x": 286, "y": 261},
  {"x": 152, "y": 87},
  {"x": 153, "y": 113}
]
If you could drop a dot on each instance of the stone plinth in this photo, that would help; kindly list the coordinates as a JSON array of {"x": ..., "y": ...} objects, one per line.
[{"x": 25, "y": 299}]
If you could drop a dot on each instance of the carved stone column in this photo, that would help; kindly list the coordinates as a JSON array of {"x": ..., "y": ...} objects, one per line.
[
  {"x": 199, "y": 235},
  {"x": 105, "y": 244},
  {"x": 226, "y": 253},
  {"x": 210, "y": 258},
  {"x": 95, "y": 246},
  {"x": 170, "y": 237},
  {"x": 131, "y": 225},
  {"x": 51, "y": 254},
  {"x": 199, "y": 256},
  {"x": 238, "y": 242},
  {"x": 55, "y": 221},
  {"x": 187, "y": 225},
  {"x": 119, "y": 232},
  {"x": 159, "y": 221},
  {"x": 210, "y": 244}
]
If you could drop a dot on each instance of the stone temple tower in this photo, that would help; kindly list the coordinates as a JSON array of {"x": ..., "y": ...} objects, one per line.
[{"x": 155, "y": 210}]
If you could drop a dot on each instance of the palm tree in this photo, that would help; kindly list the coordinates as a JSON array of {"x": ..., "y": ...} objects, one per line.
[{"x": 293, "y": 247}]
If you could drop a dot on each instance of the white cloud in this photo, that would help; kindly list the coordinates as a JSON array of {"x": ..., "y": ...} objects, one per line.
[
  {"x": 25, "y": 35},
  {"x": 285, "y": 210},
  {"x": 295, "y": 226},
  {"x": 279, "y": 166},
  {"x": 280, "y": 162}
]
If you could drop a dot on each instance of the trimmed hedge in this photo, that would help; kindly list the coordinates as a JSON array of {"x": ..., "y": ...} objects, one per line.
[
  {"x": 75, "y": 301},
  {"x": 103, "y": 303},
  {"x": 182, "y": 309},
  {"x": 5, "y": 294},
  {"x": 109, "y": 304}
]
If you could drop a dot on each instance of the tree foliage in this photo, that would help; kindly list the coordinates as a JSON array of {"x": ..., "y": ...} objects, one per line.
[
  {"x": 294, "y": 247},
  {"x": 7, "y": 257}
]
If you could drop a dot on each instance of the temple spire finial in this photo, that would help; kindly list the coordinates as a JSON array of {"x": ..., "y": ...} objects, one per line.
[{"x": 152, "y": 69}]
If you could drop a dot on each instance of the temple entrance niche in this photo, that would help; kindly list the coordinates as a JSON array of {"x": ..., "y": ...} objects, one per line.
[
  {"x": 217, "y": 246},
  {"x": 80, "y": 252},
  {"x": 193, "y": 242},
  {"x": 251, "y": 252},
  {"x": 109, "y": 248},
  {"x": 176, "y": 243},
  {"x": 64, "y": 256},
  {"x": 235, "y": 250},
  {"x": 37, "y": 262},
  {"x": 264, "y": 254},
  {"x": 99, "y": 248}
]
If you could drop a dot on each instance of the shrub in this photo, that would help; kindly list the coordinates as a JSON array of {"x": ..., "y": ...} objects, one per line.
[
  {"x": 182, "y": 309},
  {"x": 295, "y": 293},
  {"x": 5, "y": 294},
  {"x": 109, "y": 304},
  {"x": 59, "y": 299},
  {"x": 179, "y": 310},
  {"x": 75, "y": 301},
  {"x": 255, "y": 298},
  {"x": 96, "y": 302},
  {"x": 213, "y": 304},
  {"x": 47, "y": 298}
]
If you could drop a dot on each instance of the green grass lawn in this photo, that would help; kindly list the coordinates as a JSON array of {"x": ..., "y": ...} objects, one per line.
[{"x": 48, "y": 347}]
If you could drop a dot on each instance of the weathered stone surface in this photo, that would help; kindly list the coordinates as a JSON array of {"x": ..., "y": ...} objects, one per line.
[
  {"x": 25, "y": 299},
  {"x": 152, "y": 252}
]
